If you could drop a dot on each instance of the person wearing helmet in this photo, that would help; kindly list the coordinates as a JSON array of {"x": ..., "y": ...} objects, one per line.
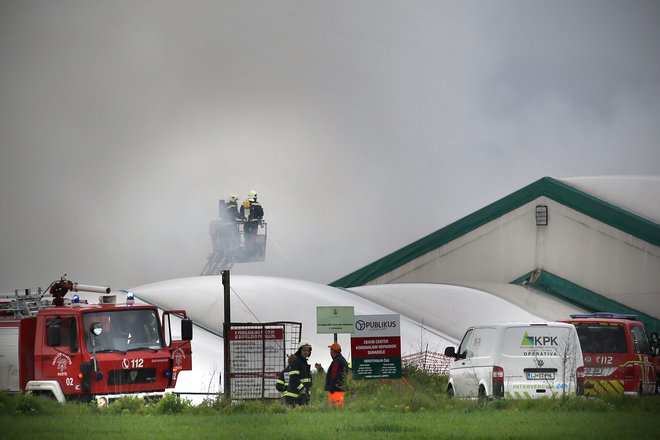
[
  {"x": 336, "y": 377},
  {"x": 300, "y": 377},
  {"x": 225, "y": 234},
  {"x": 253, "y": 213},
  {"x": 231, "y": 205}
]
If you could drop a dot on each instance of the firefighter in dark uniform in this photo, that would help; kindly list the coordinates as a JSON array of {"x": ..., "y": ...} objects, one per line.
[
  {"x": 300, "y": 377},
  {"x": 233, "y": 219},
  {"x": 225, "y": 235},
  {"x": 253, "y": 213},
  {"x": 231, "y": 205}
]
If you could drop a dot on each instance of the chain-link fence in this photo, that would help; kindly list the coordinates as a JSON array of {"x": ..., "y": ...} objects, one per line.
[{"x": 429, "y": 361}]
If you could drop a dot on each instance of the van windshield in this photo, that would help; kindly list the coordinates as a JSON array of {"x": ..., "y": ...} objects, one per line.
[{"x": 596, "y": 338}]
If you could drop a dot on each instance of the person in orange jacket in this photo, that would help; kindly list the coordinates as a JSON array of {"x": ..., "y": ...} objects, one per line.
[{"x": 335, "y": 379}]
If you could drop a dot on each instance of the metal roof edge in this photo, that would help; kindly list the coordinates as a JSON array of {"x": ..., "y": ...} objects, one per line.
[
  {"x": 554, "y": 189},
  {"x": 580, "y": 296}
]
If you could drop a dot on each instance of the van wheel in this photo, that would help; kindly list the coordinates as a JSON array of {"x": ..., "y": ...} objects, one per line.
[
  {"x": 450, "y": 391},
  {"x": 482, "y": 394}
]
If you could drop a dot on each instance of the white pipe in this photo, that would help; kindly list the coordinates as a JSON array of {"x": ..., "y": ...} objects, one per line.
[{"x": 87, "y": 288}]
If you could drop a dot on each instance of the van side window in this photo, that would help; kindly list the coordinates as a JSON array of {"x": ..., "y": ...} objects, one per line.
[
  {"x": 465, "y": 344},
  {"x": 640, "y": 340}
]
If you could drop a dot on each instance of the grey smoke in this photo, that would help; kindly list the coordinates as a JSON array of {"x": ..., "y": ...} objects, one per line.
[{"x": 362, "y": 125}]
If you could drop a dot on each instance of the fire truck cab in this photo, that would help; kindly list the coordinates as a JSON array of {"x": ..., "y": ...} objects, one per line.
[
  {"x": 72, "y": 349},
  {"x": 619, "y": 356}
]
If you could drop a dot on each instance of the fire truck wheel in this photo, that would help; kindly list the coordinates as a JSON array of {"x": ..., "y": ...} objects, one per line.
[{"x": 44, "y": 395}]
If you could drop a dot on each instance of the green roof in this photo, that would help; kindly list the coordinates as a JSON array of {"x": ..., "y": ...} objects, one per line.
[
  {"x": 584, "y": 298},
  {"x": 560, "y": 192}
]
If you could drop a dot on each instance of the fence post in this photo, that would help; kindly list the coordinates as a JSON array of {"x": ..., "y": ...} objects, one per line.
[{"x": 226, "y": 328}]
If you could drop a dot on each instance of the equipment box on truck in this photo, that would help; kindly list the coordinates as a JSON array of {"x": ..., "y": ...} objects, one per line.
[
  {"x": 516, "y": 361},
  {"x": 618, "y": 355}
]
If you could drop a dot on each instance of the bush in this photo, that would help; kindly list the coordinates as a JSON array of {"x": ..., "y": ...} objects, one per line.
[
  {"x": 172, "y": 404},
  {"x": 127, "y": 405},
  {"x": 5, "y": 403},
  {"x": 417, "y": 390},
  {"x": 28, "y": 404}
]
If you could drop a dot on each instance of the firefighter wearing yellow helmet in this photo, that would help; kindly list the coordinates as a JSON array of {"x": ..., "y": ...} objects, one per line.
[
  {"x": 253, "y": 213},
  {"x": 251, "y": 209},
  {"x": 300, "y": 377}
]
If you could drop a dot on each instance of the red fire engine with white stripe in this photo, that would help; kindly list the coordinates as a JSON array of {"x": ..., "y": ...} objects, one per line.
[
  {"x": 619, "y": 356},
  {"x": 72, "y": 349}
]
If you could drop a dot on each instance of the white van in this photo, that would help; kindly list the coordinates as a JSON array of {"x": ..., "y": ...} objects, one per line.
[{"x": 517, "y": 361}]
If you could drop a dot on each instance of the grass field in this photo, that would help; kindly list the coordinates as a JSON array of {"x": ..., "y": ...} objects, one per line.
[
  {"x": 412, "y": 408},
  {"x": 340, "y": 424}
]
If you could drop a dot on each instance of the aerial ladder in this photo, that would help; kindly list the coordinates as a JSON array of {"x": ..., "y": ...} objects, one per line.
[{"x": 231, "y": 245}]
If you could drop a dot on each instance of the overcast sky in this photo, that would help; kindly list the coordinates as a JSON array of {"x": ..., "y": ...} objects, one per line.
[{"x": 363, "y": 125}]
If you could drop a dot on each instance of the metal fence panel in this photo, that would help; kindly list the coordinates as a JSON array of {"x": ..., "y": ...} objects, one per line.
[{"x": 258, "y": 353}]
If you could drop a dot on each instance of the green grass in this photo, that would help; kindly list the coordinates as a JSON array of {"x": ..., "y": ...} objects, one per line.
[{"x": 414, "y": 407}]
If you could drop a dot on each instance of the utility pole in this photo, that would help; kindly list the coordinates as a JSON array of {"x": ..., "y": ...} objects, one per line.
[{"x": 226, "y": 328}]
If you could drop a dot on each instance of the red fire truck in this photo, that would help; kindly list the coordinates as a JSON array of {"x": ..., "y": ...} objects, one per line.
[
  {"x": 72, "y": 349},
  {"x": 619, "y": 357}
]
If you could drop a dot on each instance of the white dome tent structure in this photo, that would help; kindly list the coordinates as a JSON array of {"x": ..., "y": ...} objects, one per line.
[{"x": 267, "y": 299}]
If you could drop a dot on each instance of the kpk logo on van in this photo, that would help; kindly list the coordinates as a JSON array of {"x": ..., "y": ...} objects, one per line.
[{"x": 534, "y": 341}]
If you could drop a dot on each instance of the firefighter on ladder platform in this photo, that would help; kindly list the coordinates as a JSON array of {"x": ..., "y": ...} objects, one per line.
[
  {"x": 232, "y": 209},
  {"x": 232, "y": 220},
  {"x": 238, "y": 236},
  {"x": 253, "y": 213}
]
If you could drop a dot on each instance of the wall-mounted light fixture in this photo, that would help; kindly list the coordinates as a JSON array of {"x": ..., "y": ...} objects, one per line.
[{"x": 541, "y": 215}]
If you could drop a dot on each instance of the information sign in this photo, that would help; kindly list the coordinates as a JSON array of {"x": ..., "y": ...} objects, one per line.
[
  {"x": 335, "y": 319},
  {"x": 376, "y": 347}
]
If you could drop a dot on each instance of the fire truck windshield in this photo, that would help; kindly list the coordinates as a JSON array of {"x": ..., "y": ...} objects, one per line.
[{"x": 123, "y": 330}]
